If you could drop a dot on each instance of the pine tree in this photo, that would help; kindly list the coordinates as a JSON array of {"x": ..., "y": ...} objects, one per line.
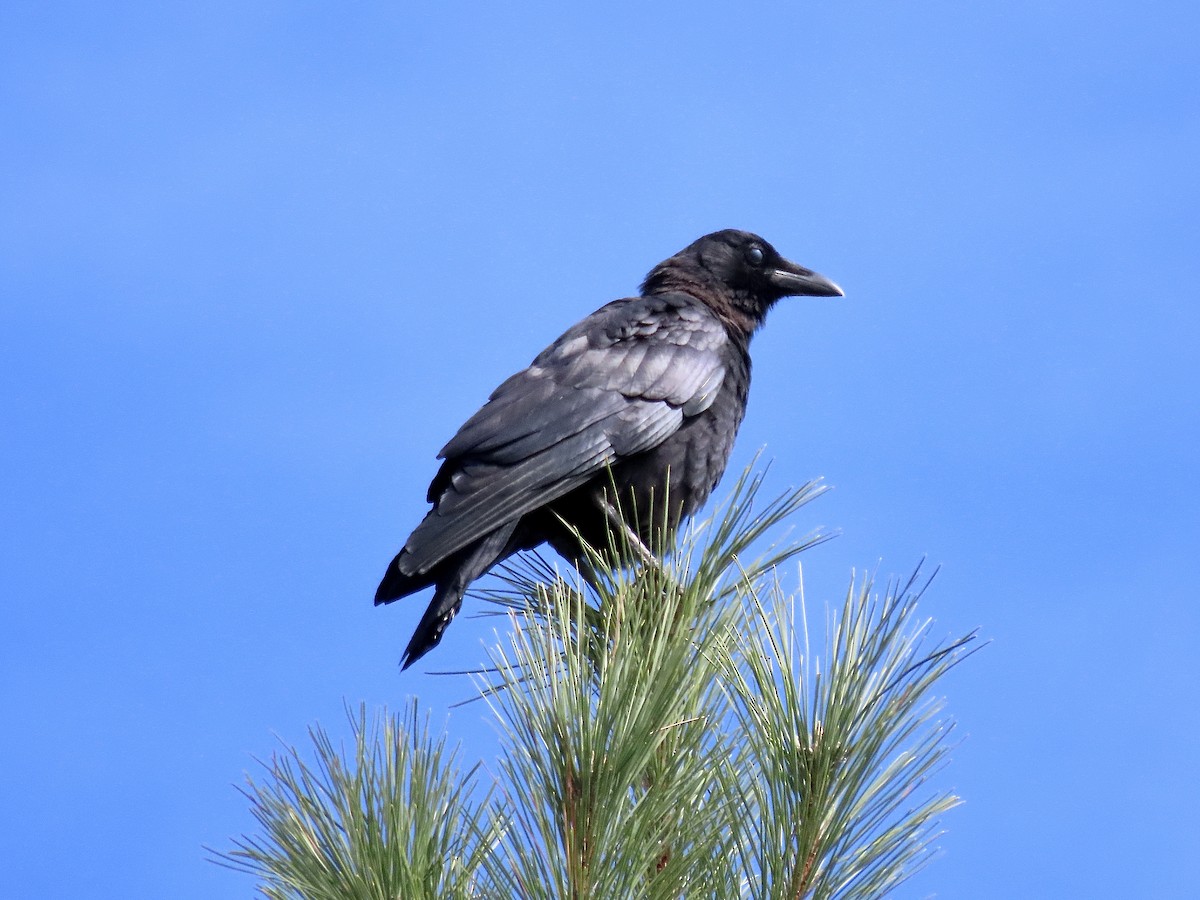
[{"x": 668, "y": 731}]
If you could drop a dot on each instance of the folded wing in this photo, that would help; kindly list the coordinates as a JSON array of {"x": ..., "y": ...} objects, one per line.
[{"x": 620, "y": 382}]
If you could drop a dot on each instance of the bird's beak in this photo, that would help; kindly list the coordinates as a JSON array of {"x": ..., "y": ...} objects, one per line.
[{"x": 796, "y": 281}]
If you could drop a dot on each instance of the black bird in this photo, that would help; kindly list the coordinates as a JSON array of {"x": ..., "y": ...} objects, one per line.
[{"x": 645, "y": 395}]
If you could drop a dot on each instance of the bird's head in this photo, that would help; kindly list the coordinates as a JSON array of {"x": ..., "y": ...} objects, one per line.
[{"x": 739, "y": 270}]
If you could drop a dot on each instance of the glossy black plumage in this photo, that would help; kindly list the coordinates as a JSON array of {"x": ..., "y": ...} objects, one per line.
[{"x": 643, "y": 390}]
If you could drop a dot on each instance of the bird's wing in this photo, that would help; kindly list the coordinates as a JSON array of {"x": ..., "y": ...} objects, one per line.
[{"x": 618, "y": 383}]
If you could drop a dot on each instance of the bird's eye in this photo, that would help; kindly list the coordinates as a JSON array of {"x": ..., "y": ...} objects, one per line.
[{"x": 755, "y": 255}]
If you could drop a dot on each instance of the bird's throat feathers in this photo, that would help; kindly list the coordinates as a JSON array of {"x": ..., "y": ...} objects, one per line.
[{"x": 740, "y": 312}]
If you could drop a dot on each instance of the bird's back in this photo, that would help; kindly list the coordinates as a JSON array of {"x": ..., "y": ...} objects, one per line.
[{"x": 670, "y": 480}]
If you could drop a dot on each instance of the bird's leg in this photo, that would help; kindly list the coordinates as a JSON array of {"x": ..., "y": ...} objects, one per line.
[
  {"x": 661, "y": 578},
  {"x": 637, "y": 546},
  {"x": 632, "y": 538}
]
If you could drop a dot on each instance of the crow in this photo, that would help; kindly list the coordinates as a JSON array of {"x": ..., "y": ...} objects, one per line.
[{"x": 642, "y": 398}]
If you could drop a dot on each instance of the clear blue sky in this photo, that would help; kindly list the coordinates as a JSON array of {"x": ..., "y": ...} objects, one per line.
[{"x": 234, "y": 236}]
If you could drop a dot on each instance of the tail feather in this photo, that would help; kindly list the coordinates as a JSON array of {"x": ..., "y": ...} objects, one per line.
[
  {"x": 446, "y": 602},
  {"x": 452, "y": 577}
]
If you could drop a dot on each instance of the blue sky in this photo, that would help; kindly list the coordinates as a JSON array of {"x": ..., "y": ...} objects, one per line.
[{"x": 234, "y": 237}]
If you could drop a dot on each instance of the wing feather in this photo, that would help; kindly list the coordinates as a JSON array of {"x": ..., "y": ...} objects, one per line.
[{"x": 620, "y": 382}]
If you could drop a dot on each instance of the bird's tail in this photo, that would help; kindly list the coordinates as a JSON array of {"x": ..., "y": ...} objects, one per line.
[
  {"x": 447, "y": 601},
  {"x": 452, "y": 577}
]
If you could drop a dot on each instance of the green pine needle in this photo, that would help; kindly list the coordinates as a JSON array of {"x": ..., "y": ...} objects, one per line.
[
  {"x": 667, "y": 731},
  {"x": 391, "y": 818}
]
